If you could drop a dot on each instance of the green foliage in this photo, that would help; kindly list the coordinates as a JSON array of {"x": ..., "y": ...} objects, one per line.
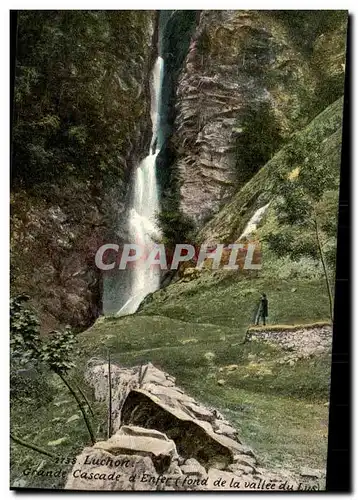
[
  {"x": 28, "y": 378},
  {"x": 305, "y": 193},
  {"x": 176, "y": 227},
  {"x": 306, "y": 213},
  {"x": 59, "y": 350},
  {"x": 287, "y": 243},
  {"x": 56, "y": 351},
  {"x": 327, "y": 212},
  {"x": 33, "y": 389},
  {"x": 76, "y": 92},
  {"x": 305, "y": 26},
  {"x": 297, "y": 212},
  {"x": 259, "y": 138},
  {"x": 25, "y": 343}
]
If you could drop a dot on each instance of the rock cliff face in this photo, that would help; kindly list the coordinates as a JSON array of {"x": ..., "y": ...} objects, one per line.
[
  {"x": 248, "y": 82},
  {"x": 72, "y": 166}
]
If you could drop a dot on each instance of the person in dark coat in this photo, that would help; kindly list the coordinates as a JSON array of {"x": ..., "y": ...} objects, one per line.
[{"x": 262, "y": 310}]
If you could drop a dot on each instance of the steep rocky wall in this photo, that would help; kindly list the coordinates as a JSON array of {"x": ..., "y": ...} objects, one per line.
[
  {"x": 72, "y": 166},
  {"x": 250, "y": 79}
]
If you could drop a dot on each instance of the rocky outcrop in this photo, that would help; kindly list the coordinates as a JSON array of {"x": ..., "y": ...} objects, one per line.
[
  {"x": 235, "y": 65},
  {"x": 164, "y": 439},
  {"x": 320, "y": 140},
  {"x": 52, "y": 256},
  {"x": 246, "y": 85},
  {"x": 147, "y": 397}
]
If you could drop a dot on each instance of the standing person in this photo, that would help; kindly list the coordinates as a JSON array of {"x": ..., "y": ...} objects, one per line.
[{"x": 262, "y": 310}]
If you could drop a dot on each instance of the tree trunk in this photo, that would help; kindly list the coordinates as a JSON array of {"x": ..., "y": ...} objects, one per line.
[
  {"x": 328, "y": 285},
  {"x": 109, "y": 426}
]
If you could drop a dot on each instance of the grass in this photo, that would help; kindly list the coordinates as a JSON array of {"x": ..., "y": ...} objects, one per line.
[
  {"x": 196, "y": 330},
  {"x": 205, "y": 351},
  {"x": 233, "y": 302},
  {"x": 282, "y": 431},
  {"x": 56, "y": 426},
  {"x": 279, "y": 410}
]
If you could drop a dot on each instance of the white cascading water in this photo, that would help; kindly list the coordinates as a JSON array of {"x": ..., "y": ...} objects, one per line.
[
  {"x": 251, "y": 226},
  {"x": 143, "y": 229}
]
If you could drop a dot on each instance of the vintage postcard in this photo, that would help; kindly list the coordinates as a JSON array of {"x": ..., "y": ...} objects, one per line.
[{"x": 175, "y": 183}]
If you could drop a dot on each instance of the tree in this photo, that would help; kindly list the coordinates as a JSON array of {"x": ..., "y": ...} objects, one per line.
[
  {"x": 25, "y": 343},
  {"x": 176, "y": 227},
  {"x": 306, "y": 208},
  {"x": 259, "y": 138},
  {"x": 56, "y": 352}
]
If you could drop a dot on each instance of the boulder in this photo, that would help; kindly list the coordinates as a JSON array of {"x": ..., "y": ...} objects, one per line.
[
  {"x": 192, "y": 440},
  {"x": 223, "y": 428},
  {"x": 231, "y": 368},
  {"x": 200, "y": 412},
  {"x": 192, "y": 467},
  {"x": 137, "y": 440},
  {"x": 240, "y": 470},
  {"x": 311, "y": 473},
  {"x": 163, "y": 440}
]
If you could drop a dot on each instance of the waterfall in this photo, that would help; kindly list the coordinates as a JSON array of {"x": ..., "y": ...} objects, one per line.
[
  {"x": 251, "y": 226},
  {"x": 142, "y": 225}
]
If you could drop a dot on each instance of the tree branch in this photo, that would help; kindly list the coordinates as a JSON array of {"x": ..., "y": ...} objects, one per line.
[{"x": 32, "y": 446}]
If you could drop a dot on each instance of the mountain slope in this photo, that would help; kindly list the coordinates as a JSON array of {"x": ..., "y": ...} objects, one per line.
[{"x": 322, "y": 138}]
